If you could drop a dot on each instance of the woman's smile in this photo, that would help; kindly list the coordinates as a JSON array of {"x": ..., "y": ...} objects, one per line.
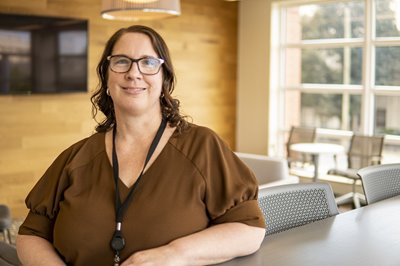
[{"x": 133, "y": 89}]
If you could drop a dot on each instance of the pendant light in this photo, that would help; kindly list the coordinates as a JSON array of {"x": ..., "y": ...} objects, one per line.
[{"x": 140, "y": 9}]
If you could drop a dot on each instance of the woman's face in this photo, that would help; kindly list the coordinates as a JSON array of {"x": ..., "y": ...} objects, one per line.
[{"x": 134, "y": 93}]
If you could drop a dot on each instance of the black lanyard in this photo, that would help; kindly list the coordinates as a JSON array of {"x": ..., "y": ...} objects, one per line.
[{"x": 118, "y": 241}]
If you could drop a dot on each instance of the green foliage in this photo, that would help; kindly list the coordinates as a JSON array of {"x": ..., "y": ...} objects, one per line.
[{"x": 326, "y": 65}]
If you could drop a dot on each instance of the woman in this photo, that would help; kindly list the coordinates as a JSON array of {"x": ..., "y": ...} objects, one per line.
[{"x": 148, "y": 188}]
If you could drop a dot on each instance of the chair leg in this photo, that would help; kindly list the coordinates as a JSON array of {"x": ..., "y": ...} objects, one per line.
[
  {"x": 356, "y": 202},
  {"x": 353, "y": 196},
  {"x": 346, "y": 198},
  {"x": 359, "y": 199},
  {"x": 356, "y": 198},
  {"x": 7, "y": 236}
]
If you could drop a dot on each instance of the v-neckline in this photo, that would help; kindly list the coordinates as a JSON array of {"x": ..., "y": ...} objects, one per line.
[{"x": 108, "y": 151}]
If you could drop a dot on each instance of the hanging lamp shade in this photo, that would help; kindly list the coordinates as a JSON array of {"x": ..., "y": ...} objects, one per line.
[{"x": 140, "y": 9}]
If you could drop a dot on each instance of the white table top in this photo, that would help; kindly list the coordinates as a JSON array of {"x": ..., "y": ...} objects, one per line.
[
  {"x": 317, "y": 148},
  {"x": 366, "y": 236}
]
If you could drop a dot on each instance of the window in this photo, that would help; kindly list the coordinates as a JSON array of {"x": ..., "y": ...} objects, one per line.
[{"x": 339, "y": 69}]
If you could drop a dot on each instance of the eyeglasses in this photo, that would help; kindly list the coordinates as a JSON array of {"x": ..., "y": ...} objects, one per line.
[{"x": 146, "y": 65}]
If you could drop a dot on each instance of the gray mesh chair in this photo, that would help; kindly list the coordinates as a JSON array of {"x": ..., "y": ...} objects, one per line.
[
  {"x": 5, "y": 222},
  {"x": 299, "y": 135},
  {"x": 363, "y": 151},
  {"x": 380, "y": 181},
  {"x": 8, "y": 255},
  {"x": 293, "y": 205}
]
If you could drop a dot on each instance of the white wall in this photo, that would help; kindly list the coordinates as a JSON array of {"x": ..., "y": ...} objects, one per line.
[{"x": 253, "y": 76}]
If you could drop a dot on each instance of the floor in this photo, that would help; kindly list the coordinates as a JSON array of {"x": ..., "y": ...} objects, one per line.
[{"x": 345, "y": 207}]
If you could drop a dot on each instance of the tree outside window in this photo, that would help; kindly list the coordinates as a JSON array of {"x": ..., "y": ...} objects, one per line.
[{"x": 336, "y": 68}]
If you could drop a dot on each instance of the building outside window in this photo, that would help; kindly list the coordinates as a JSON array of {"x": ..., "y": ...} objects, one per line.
[{"x": 336, "y": 66}]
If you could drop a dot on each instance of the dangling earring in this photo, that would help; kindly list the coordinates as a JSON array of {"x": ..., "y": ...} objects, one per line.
[{"x": 108, "y": 91}]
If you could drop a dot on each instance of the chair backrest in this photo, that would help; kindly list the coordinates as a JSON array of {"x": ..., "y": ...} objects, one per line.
[
  {"x": 293, "y": 205},
  {"x": 299, "y": 135},
  {"x": 364, "y": 151},
  {"x": 380, "y": 181},
  {"x": 5, "y": 217},
  {"x": 8, "y": 255},
  {"x": 266, "y": 169}
]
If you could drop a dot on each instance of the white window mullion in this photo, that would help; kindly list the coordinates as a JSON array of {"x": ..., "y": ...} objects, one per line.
[
  {"x": 284, "y": 88},
  {"x": 367, "y": 122},
  {"x": 276, "y": 94}
]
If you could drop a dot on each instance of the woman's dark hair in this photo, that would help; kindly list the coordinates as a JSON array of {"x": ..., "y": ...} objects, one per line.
[{"x": 169, "y": 106}]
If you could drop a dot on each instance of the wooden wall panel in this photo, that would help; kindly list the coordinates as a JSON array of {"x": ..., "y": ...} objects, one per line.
[{"x": 36, "y": 128}]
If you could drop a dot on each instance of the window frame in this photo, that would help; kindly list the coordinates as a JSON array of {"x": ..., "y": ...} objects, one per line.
[{"x": 367, "y": 89}]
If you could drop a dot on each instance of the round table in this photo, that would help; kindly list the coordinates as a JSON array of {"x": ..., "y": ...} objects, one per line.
[{"x": 316, "y": 149}]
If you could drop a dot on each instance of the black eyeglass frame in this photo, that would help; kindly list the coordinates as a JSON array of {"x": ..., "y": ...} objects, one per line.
[{"x": 137, "y": 62}]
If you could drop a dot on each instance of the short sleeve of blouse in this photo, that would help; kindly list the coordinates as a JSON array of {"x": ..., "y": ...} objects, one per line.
[
  {"x": 43, "y": 200},
  {"x": 231, "y": 187}
]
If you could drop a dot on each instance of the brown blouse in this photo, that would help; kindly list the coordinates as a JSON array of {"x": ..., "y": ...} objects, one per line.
[{"x": 195, "y": 182}]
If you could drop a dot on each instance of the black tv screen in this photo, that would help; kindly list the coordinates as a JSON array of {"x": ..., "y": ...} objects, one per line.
[{"x": 42, "y": 54}]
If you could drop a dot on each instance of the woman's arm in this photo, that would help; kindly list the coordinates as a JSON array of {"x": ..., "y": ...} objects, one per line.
[
  {"x": 213, "y": 245},
  {"x": 34, "y": 250}
]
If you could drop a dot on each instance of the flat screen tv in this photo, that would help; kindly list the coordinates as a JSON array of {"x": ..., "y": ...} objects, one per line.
[{"x": 42, "y": 54}]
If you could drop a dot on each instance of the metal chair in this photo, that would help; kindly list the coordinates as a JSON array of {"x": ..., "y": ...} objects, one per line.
[
  {"x": 5, "y": 222},
  {"x": 299, "y": 135},
  {"x": 293, "y": 205},
  {"x": 8, "y": 255},
  {"x": 363, "y": 151},
  {"x": 380, "y": 181}
]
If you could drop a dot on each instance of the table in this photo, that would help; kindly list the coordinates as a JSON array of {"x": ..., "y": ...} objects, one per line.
[
  {"x": 316, "y": 149},
  {"x": 368, "y": 236}
]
